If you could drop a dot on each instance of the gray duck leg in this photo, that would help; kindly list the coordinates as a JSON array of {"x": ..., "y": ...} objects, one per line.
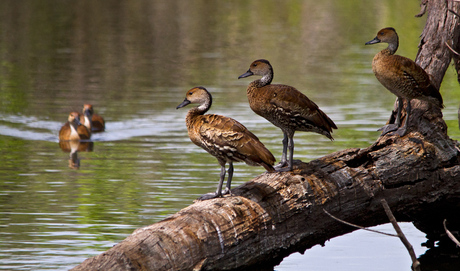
[
  {"x": 283, "y": 161},
  {"x": 218, "y": 192},
  {"x": 229, "y": 179},
  {"x": 393, "y": 126},
  {"x": 290, "y": 147},
  {"x": 402, "y": 131}
]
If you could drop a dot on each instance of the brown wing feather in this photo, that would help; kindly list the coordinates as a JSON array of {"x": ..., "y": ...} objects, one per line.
[
  {"x": 290, "y": 99},
  {"x": 223, "y": 134},
  {"x": 415, "y": 78}
]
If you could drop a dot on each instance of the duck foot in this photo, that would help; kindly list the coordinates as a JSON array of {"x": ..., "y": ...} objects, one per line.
[
  {"x": 387, "y": 129},
  {"x": 401, "y": 132},
  {"x": 209, "y": 196},
  {"x": 215, "y": 195},
  {"x": 281, "y": 165}
]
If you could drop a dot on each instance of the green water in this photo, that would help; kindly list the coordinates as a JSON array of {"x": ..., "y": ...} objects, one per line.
[{"x": 134, "y": 61}]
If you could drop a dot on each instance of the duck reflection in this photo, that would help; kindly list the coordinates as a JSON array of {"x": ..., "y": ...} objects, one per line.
[
  {"x": 69, "y": 139},
  {"x": 73, "y": 147}
]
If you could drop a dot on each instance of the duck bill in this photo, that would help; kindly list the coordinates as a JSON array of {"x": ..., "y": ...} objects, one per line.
[
  {"x": 77, "y": 121},
  {"x": 184, "y": 103},
  {"x": 87, "y": 113},
  {"x": 374, "y": 41},
  {"x": 248, "y": 73}
]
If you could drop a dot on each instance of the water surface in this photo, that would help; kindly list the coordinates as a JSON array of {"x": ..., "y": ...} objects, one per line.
[{"x": 134, "y": 61}]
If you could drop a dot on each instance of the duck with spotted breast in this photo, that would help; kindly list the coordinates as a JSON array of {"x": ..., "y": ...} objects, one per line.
[
  {"x": 402, "y": 77},
  {"x": 286, "y": 108},
  {"x": 224, "y": 138}
]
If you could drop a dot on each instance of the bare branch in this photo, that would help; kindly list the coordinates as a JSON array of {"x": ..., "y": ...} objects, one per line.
[
  {"x": 357, "y": 226},
  {"x": 410, "y": 249},
  {"x": 455, "y": 13},
  {"x": 451, "y": 236},
  {"x": 453, "y": 51}
]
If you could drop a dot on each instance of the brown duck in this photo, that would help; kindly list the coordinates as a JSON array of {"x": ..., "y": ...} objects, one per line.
[
  {"x": 285, "y": 107},
  {"x": 92, "y": 121},
  {"x": 73, "y": 129},
  {"x": 224, "y": 138},
  {"x": 402, "y": 77}
]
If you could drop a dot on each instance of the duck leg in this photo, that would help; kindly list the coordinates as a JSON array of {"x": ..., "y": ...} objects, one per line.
[
  {"x": 393, "y": 126},
  {"x": 402, "y": 131},
  {"x": 291, "y": 152},
  {"x": 218, "y": 192},
  {"x": 288, "y": 145},
  {"x": 229, "y": 179},
  {"x": 283, "y": 161}
]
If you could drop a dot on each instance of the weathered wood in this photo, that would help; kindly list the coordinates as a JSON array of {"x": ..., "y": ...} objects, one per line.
[{"x": 280, "y": 213}]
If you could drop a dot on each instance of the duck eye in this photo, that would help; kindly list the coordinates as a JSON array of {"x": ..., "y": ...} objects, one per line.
[{"x": 190, "y": 93}]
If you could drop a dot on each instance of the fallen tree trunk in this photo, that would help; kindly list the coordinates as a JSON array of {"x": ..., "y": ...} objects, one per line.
[{"x": 280, "y": 213}]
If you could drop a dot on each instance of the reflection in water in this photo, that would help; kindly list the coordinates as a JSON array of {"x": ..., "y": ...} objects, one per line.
[
  {"x": 132, "y": 60},
  {"x": 74, "y": 146}
]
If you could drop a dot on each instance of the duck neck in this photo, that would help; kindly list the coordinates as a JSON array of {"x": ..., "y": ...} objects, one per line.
[
  {"x": 199, "y": 110},
  {"x": 73, "y": 131},
  {"x": 393, "y": 46},
  {"x": 265, "y": 80},
  {"x": 88, "y": 122}
]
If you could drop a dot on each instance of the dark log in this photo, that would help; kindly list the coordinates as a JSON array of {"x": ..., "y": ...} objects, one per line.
[{"x": 277, "y": 214}]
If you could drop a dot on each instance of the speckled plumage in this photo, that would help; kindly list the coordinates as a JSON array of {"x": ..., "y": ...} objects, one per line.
[
  {"x": 224, "y": 138},
  {"x": 73, "y": 130},
  {"x": 402, "y": 77},
  {"x": 285, "y": 107}
]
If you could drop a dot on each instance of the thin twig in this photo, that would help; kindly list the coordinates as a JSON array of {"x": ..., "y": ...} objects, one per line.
[
  {"x": 453, "y": 51},
  {"x": 359, "y": 227},
  {"x": 455, "y": 13},
  {"x": 451, "y": 236},
  {"x": 410, "y": 249}
]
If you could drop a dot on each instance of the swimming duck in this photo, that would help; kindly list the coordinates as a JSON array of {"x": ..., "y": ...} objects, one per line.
[
  {"x": 402, "y": 77},
  {"x": 285, "y": 107},
  {"x": 92, "y": 121},
  {"x": 73, "y": 130},
  {"x": 224, "y": 138}
]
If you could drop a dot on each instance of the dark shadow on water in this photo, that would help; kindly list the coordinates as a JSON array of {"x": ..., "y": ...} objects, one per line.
[{"x": 443, "y": 257}]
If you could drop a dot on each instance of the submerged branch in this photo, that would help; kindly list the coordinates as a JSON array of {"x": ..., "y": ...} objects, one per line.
[{"x": 402, "y": 237}]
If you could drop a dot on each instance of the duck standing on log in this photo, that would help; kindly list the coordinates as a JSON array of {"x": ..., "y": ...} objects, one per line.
[
  {"x": 73, "y": 129},
  {"x": 224, "y": 138},
  {"x": 285, "y": 107},
  {"x": 402, "y": 77}
]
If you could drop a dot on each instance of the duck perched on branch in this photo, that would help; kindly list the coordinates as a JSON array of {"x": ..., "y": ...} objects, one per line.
[
  {"x": 285, "y": 107},
  {"x": 224, "y": 138},
  {"x": 402, "y": 77}
]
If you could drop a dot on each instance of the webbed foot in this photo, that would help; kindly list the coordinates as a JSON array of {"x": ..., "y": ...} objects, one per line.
[
  {"x": 209, "y": 196},
  {"x": 281, "y": 165},
  {"x": 401, "y": 132},
  {"x": 388, "y": 128},
  {"x": 227, "y": 191}
]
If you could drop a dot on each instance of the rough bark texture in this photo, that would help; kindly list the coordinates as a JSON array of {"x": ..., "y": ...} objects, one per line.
[{"x": 277, "y": 214}]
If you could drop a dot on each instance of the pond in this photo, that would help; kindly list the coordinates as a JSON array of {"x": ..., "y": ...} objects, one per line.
[{"x": 134, "y": 61}]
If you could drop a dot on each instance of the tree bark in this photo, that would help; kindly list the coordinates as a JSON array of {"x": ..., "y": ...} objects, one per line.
[{"x": 277, "y": 214}]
